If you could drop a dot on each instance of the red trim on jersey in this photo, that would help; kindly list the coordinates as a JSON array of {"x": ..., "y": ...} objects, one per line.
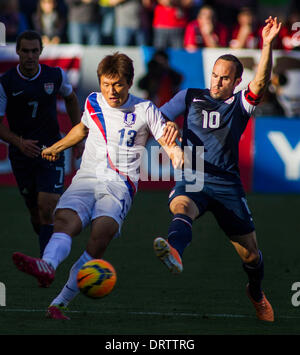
[
  {"x": 252, "y": 98},
  {"x": 99, "y": 120},
  {"x": 96, "y": 119}
]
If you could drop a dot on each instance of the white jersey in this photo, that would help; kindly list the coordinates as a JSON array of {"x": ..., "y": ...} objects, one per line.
[{"x": 117, "y": 137}]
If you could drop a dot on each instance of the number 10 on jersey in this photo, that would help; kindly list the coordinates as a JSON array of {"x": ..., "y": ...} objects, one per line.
[{"x": 210, "y": 119}]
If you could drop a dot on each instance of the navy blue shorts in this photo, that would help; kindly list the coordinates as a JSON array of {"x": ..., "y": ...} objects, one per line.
[
  {"x": 37, "y": 175},
  {"x": 227, "y": 203}
]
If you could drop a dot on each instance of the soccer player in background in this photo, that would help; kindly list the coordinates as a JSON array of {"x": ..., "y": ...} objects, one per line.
[
  {"x": 216, "y": 118},
  {"x": 117, "y": 125},
  {"x": 28, "y": 96}
]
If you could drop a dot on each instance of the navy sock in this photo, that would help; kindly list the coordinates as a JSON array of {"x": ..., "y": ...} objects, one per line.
[
  {"x": 255, "y": 275},
  {"x": 46, "y": 232},
  {"x": 180, "y": 232}
]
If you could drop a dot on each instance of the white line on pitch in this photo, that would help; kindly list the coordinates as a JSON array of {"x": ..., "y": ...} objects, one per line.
[{"x": 169, "y": 314}]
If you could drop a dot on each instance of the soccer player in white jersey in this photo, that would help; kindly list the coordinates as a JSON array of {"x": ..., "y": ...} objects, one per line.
[
  {"x": 215, "y": 119},
  {"x": 116, "y": 126}
]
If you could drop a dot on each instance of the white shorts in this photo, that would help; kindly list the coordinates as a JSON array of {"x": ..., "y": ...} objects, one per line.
[{"x": 91, "y": 199}]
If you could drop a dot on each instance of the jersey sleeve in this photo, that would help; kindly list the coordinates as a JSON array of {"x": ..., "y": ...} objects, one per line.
[
  {"x": 84, "y": 117},
  {"x": 250, "y": 100},
  {"x": 156, "y": 121},
  {"x": 65, "y": 88},
  {"x": 176, "y": 106},
  {"x": 3, "y": 101}
]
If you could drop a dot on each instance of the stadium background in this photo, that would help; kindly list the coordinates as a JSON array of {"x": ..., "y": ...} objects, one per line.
[
  {"x": 270, "y": 147},
  {"x": 210, "y": 297}
]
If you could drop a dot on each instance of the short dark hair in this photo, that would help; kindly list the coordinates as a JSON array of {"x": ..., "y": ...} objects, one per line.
[
  {"x": 238, "y": 65},
  {"x": 29, "y": 35},
  {"x": 117, "y": 64}
]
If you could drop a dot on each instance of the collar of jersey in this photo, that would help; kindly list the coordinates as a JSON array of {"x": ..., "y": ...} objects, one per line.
[{"x": 26, "y": 77}]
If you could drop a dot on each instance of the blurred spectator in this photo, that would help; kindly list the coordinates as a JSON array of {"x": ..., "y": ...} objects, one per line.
[
  {"x": 14, "y": 20},
  {"x": 130, "y": 27},
  {"x": 169, "y": 22},
  {"x": 107, "y": 21},
  {"x": 84, "y": 22},
  {"x": 205, "y": 31},
  {"x": 290, "y": 35},
  {"x": 28, "y": 7},
  {"x": 270, "y": 104},
  {"x": 246, "y": 32},
  {"x": 227, "y": 10},
  {"x": 161, "y": 82},
  {"x": 273, "y": 8},
  {"x": 49, "y": 22}
]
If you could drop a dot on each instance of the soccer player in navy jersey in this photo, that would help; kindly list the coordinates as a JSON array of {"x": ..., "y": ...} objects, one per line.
[
  {"x": 215, "y": 118},
  {"x": 28, "y": 95}
]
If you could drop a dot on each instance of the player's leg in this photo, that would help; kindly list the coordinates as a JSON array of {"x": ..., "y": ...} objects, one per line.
[
  {"x": 50, "y": 178},
  {"x": 170, "y": 251},
  {"x": 184, "y": 212},
  {"x": 34, "y": 218},
  {"x": 46, "y": 205},
  {"x": 103, "y": 230},
  {"x": 67, "y": 224},
  {"x": 25, "y": 174},
  {"x": 72, "y": 215},
  {"x": 253, "y": 264},
  {"x": 234, "y": 217},
  {"x": 251, "y": 256}
]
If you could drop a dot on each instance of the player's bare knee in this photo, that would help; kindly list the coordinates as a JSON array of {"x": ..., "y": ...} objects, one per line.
[
  {"x": 179, "y": 207},
  {"x": 104, "y": 227},
  {"x": 183, "y": 206},
  {"x": 251, "y": 258},
  {"x": 67, "y": 221}
]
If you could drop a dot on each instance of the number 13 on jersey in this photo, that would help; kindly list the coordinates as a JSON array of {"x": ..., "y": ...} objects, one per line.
[{"x": 127, "y": 137}]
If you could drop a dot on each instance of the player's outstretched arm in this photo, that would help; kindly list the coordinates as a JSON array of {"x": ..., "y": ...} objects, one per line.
[
  {"x": 76, "y": 135},
  {"x": 171, "y": 132},
  {"x": 263, "y": 73},
  {"x": 174, "y": 153}
]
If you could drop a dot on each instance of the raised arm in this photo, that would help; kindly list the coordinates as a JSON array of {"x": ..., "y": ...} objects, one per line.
[{"x": 264, "y": 69}]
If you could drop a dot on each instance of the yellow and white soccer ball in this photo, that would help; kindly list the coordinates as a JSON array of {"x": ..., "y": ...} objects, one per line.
[{"x": 96, "y": 278}]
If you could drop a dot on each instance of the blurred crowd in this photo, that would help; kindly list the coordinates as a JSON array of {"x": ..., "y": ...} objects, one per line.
[{"x": 189, "y": 24}]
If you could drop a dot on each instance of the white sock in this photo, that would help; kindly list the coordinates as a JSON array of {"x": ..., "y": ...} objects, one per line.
[
  {"x": 57, "y": 249},
  {"x": 70, "y": 290}
]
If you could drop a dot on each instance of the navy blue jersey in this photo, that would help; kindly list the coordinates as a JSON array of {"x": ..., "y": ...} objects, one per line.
[
  {"x": 30, "y": 103},
  {"x": 217, "y": 125}
]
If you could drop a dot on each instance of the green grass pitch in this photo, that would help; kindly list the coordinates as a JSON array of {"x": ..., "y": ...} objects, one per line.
[{"x": 207, "y": 298}]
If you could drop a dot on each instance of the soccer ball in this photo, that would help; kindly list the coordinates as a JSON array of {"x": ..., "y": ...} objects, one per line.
[{"x": 96, "y": 278}]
